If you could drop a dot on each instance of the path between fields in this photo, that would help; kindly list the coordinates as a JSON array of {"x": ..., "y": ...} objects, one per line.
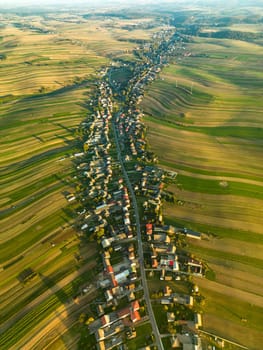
[
  {"x": 229, "y": 291},
  {"x": 46, "y": 294}
]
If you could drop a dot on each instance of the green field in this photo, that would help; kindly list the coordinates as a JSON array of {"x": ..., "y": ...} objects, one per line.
[
  {"x": 50, "y": 63},
  {"x": 207, "y": 108}
]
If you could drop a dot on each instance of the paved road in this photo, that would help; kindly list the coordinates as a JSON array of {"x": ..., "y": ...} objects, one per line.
[{"x": 140, "y": 247}]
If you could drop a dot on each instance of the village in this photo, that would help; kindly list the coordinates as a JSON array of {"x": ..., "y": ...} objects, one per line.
[{"x": 121, "y": 207}]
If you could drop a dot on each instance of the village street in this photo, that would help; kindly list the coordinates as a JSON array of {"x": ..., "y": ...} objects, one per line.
[{"x": 140, "y": 247}]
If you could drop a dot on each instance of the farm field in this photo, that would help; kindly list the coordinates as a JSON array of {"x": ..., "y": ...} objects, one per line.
[
  {"x": 49, "y": 65},
  {"x": 207, "y": 108}
]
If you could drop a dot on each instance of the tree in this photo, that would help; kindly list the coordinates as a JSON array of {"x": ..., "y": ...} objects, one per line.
[
  {"x": 82, "y": 317},
  {"x": 89, "y": 320},
  {"x": 100, "y": 233}
]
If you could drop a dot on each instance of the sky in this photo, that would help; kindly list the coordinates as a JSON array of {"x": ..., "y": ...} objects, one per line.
[{"x": 106, "y": 3}]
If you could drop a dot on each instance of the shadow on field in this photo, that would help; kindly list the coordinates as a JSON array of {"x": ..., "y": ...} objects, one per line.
[
  {"x": 62, "y": 317},
  {"x": 67, "y": 141},
  {"x": 35, "y": 159},
  {"x": 69, "y": 130},
  {"x": 57, "y": 92}
]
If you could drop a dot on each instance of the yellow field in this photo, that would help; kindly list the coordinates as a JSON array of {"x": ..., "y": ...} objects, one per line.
[
  {"x": 48, "y": 71},
  {"x": 207, "y": 108}
]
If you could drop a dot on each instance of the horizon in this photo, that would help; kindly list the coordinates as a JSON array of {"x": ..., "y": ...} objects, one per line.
[{"x": 107, "y": 3}]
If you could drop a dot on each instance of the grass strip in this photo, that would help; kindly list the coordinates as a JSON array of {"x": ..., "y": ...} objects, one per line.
[
  {"x": 29, "y": 237},
  {"x": 194, "y": 184},
  {"x": 247, "y": 260},
  {"x": 246, "y": 236}
]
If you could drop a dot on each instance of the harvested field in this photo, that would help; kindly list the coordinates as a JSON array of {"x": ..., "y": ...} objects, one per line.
[
  {"x": 50, "y": 64},
  {"x": 207, "y": 109},
  {"x": 212, "y": 99}
]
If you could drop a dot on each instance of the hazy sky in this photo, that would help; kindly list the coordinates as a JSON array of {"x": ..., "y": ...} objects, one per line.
[
  {"x": 72, "y": 3},
  {"x": 93, "y": 3},
  {"x": 105, "y": 3}
]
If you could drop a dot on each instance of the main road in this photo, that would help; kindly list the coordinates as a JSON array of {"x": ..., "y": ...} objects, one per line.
[{"x": 140, "y": 247}]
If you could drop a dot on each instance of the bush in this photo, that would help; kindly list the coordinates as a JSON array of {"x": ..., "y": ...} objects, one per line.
[{"x": 210, "y": 275}]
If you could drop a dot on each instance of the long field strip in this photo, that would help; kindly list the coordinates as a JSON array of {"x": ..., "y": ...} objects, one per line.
[
  {"x": 208, "y": 109},
  {"x": 49, "y": 65}
]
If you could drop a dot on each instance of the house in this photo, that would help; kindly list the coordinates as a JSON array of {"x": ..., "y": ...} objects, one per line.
[
  {"x": 99, "y": 334},
  {"x": 195, "y": 266},
  {"x": 166, "y": 301},
  {"x": 105, "y": 320},
  {"x": 175, "y": 266},
  {"x": 100, "y": 310},
  {"x": 113, "y": 280},
  {"x": 168, "y": 278},
  {"x": 133, "y": 276},
  {"x": 171, "y": 249},
  {"x": 101, "y": 345},
  {"x": 131, "y": 286},
  {"x": 192, "y": 234},
  {"x": 170, "y": 317},
  {"x": 187, "y": 300},
  {"x": 198, "y": 320},
  {"x": 106, "y": 254},
  {"x": 122, "y": 276},
  {"x": 187, "y": 341},
  {"x": 175, "y": 343},
  {"x": 105, "y": 333},
  {"x": 131, "y": 248},
  {"x": 127, "y": 221},
  {"x": 100, "y": 208},
  {"x": 135, "y": 306},
  {"x": 123, "y": 312},
  {"x": 84, "y": 227},
  {"x": 131, "y": 256},
  {"x": 149, "y": 229},
  {"x": 108, "y": 295},
  {"x": 169, "y": 263},
  {"x": 131, "y": 296},
  {"x": 135, "y": 316},
  {"x": 116, "y": 291},
  {"x": 121, "y": 236},
  {"x": 169, "y": 229},
  {"x": 113, "y": 343},
  {"x": 167, "y": 291},
  {"x": 109, "y": 269},
  {"x": 154, "y": 252},
  {"x": 104, "y": 283},
  {"x": 106, "y": 242},
  {"x": 154, "y": 263},
  {"x": 161, "y": 238},
  {"x": 131, "y": 333},
  {"x": 133, "y": 268}
]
